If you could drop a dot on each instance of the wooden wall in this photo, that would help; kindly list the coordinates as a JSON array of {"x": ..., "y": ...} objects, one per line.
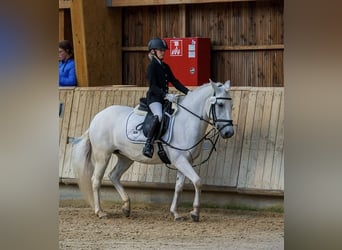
[
  {"x": 252, "y": 161},
  {"x": 247, "y": 38}
]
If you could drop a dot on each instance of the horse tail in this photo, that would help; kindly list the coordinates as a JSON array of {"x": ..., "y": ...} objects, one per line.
[{"x": 83, "y": 166}]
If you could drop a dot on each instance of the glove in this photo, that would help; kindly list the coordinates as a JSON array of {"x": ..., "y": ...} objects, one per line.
[{"x": 171, "y": 97}]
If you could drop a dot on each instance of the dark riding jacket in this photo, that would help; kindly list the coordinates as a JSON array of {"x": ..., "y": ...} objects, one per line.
[{"x": 159, "y": 75}]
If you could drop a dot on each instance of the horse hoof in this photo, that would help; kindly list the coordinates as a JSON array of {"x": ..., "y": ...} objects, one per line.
[
  {"x": 179, "y": 218},
  {"x": 194, "y": 217},
  {"x": 126, "y": 212},
  {"x": 102, "y": 215}
]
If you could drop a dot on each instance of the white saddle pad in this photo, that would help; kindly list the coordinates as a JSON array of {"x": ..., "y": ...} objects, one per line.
[{"x": 134, "y": 130}]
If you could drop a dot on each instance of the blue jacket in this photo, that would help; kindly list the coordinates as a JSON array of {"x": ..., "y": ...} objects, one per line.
[{"x": 67, "y": 74}]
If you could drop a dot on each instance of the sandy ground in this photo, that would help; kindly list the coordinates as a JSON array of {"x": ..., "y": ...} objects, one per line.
[{"x": 152, "y": 227}]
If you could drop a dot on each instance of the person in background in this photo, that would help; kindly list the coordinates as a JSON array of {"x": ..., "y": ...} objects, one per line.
[
  {"x": 159, "y": 74},
  {"x": 67, "y": 74}
]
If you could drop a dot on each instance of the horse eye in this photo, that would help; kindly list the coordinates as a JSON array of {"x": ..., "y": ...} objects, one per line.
[{"x": 220, "y": 104}]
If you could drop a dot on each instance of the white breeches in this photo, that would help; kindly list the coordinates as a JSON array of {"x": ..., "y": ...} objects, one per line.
[{"x": 157, "y": 109}]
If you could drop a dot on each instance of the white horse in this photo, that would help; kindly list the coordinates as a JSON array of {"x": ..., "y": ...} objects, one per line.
[{"x": 208, "y": 104}]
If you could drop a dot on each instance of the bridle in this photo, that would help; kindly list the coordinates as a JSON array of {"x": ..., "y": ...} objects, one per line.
[
  {"x": 213, "y": 100},
  {"x": 212, "y": 111}
]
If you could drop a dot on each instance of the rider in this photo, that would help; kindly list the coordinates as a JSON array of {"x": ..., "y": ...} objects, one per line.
[{"x": 159, "y": 75}]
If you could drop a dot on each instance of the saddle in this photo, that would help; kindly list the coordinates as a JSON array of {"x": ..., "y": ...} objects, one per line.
[
  {"x": 164, "y": 124},
  {"x": 146, "y": 125}
]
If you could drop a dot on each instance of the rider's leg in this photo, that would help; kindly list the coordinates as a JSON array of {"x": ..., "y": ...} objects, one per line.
[{"x": 156, "y": 109}]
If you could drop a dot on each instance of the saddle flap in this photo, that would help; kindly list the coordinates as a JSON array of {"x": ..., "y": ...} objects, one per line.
[{"x": 134, "y": 130}]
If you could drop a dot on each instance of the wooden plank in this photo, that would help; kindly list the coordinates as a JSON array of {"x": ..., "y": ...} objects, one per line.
[
  {"x": 66, "y": 97},
  {"x": 110, "y": 98},
  {"x": 279, "y": 148},
  {"x": 135, "y": 48},
  {"x": 262, "y": 147},
  {"x": 208, "y": 177},
  {"x": 103, "y": 100},
  {"x": 218, "y": 168},
  {"x": 157, "y": 170},
  {"x": 231, "y": 170},
  {"x": 149, "y": 173},
  {"x": 246, "y": 145},
  {"x": 67, "y": 171},
  {"x": 126, "y": 3},
  {"x": 164, "y": 174},
  {"x": 248, "y": 47},
  {"x": 255, "y": 139},
  {"x": 80, "y": 113},
  {"x": 204, "y": 169},
  {"x": 89, "y": 95},
  {"x": 271, "y": 140},
  {"x": 281, "y": 177},
  {"x": 141, "y": 170},
  {"x": 80, "y": 48},
  {"x": 239, "y": 136},
  {"x": 95, "y": 103}
]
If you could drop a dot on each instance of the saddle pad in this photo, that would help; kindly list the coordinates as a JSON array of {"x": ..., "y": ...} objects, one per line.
[{"x": 134, "y": 130}]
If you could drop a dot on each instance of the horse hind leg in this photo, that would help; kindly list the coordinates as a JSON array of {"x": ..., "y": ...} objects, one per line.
[
  {"x": 123, "y": 163},
  {"x": 178, "y": 189},
  {"x": 101, "y": 162}
]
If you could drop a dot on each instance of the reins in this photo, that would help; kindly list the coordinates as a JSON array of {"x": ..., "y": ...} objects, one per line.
[{"x": 205, "y": 137}]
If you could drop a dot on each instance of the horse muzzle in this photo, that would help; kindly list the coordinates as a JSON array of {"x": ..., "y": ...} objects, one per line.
[{"x": 226, "y": 131}]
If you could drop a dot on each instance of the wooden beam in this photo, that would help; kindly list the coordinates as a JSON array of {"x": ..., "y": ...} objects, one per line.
[
  {"x": 97, "y": 43},
  {"x": 126, "y": 3},
  {"x": 249, "y": 47},
  {"x": 136, "y": 48},
  {"x": 77, "y": 22},
  {"x": 222, "y": 48},
  {"x": 64, "y": 4}
]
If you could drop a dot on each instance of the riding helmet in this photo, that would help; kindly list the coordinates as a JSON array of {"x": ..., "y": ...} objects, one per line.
[{"x": 156, "y": 43}]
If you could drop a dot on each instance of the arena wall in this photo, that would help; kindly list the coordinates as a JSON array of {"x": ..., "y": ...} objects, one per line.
[{"x": 251, "y": 162}]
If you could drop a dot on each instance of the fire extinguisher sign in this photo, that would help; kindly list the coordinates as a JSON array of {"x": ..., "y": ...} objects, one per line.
[
  {"x": 192, "y": 49},
  {"x": 176, "y": 48}
]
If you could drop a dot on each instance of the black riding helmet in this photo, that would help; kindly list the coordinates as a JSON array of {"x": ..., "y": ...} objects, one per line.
[{"x": 156, "y": 43}]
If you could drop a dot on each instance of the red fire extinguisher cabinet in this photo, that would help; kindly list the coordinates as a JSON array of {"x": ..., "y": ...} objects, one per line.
[{"x": 189, "y": 59}]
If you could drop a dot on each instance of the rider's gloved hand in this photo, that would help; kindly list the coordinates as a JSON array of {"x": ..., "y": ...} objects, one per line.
[{"x": 171, "y": 97}]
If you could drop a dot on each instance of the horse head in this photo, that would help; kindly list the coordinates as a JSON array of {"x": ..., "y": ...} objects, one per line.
[{"x": 221, "y": 109}]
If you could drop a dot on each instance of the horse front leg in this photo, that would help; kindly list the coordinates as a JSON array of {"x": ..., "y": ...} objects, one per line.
[
  {"x": 196, "y": 205},
  {"x": 178, "y": 189},
  {"x": 185, "y": 167},
  {"x": 121, "y": 166}
]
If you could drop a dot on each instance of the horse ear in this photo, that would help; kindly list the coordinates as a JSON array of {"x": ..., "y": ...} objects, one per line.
[
  {"x": 227, "y": 85},
  {"x": 213, "y": 84}
]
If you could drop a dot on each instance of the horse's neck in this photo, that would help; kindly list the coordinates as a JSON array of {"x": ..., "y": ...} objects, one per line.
[{"x": 197, "y": 102}]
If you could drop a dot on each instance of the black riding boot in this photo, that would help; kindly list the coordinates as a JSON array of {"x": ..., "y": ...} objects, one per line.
[{"x": 148, "y": 149}]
